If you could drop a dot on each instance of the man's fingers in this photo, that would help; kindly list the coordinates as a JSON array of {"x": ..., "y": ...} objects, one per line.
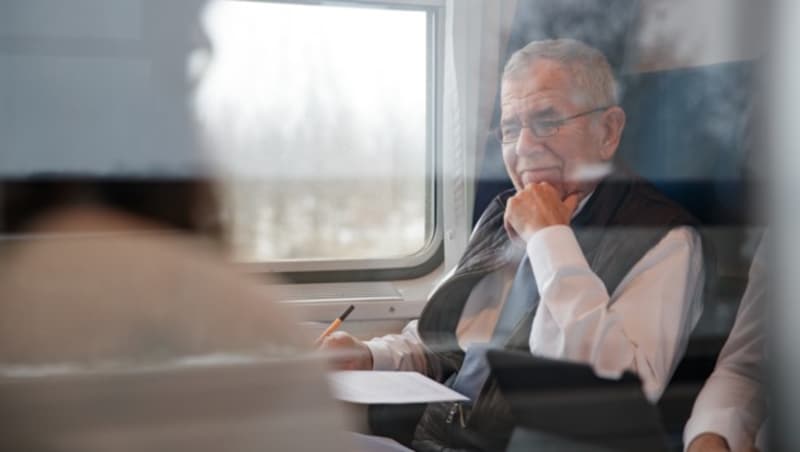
[
  {"x": 547, "y": 187},
  {"x": 572, "y": 202},
  {"x": 339, "y": 336},
  {"x": 328, "y": 340},
  {"x": 337, "y": 339},
  {"x": 346, "y": 352},
  {"x": 512, "y": 234}
]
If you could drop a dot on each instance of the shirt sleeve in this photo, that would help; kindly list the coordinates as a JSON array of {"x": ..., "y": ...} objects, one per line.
[
  {"x": 731, "y": 403},
  {"x": 404, "y": 351},
  {"x": 643, "y": 327}
]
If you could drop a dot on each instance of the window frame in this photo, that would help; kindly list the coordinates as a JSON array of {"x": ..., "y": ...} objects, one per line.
[{"x": 431, "y": 255}]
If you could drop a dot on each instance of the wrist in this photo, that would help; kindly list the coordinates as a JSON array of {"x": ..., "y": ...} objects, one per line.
[{"x": 527, "y": 234}]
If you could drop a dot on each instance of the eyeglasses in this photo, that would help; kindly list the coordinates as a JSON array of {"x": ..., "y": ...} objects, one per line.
[{"x": 509, "y": 134}]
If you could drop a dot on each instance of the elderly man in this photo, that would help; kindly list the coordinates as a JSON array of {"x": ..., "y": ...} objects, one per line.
[{"x": 611, "y": 272}]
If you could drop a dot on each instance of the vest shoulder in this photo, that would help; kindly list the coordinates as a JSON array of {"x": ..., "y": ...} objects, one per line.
[{"x": 646, "y": 204}]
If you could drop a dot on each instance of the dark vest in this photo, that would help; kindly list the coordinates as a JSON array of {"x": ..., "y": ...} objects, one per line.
[{"x": 621, "y": 222}]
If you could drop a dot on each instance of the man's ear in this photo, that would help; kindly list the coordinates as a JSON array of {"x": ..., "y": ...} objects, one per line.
[{"x": 612, "y": 124}]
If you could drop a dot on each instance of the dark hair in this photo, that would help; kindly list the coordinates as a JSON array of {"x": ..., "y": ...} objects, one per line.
[{"x": 188, "y": 205}]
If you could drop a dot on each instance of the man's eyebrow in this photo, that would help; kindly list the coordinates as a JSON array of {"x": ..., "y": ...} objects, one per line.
[
  {"x": 545, "y": 113},
  {"x": 548, "y": 112}
]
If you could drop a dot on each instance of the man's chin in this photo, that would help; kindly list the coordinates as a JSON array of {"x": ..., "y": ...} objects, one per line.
[
  {"x": 550, "y": 176},
  {"x": 557, "y": 184}
]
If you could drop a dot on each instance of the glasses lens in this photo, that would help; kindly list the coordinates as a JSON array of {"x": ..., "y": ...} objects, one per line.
[
  {"x": 544, "y": 129},
  {"x": 509, "y": 134}
]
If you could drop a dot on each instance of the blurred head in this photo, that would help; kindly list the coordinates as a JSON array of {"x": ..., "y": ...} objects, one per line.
[
  {"x": 188, "y": 206},
  {"x": 101, "y": 325},
  {"x": 560, "y": 121},
  {"x": 115, "y": 130}
]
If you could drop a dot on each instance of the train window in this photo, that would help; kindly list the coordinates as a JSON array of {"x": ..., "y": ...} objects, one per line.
[{"x": 322, "y": 120}]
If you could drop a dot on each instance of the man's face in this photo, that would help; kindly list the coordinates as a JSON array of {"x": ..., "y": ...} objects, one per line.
[{"x": 546, "y": 93}]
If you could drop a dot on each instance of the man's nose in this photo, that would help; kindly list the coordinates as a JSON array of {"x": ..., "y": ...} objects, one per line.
[{"x": 528, "y": 143}]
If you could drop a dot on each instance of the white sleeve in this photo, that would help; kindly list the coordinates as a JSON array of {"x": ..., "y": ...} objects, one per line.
[
  {"x": 647, "y": 326},
  {"x": 404, "y": 351},
  {"x": 731, "y": 403}
]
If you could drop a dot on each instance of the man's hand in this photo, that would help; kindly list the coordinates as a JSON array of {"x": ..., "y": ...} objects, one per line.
[
  {"x": 536, "y": 207},
  {"x": 708, "y": 442},
  {"x": 711, "y": 442},
  {"x": 347, "y": 352}
]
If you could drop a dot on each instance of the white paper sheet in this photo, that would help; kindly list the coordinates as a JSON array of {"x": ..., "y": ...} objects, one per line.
[
  {"x": 370, "y": 443},
  {"x": 378, "y": 387}
]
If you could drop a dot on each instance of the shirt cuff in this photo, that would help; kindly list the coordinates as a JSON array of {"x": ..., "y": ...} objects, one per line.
[
  {"x": 381, "y": 355},
  {"x": 724, "y": 422},
  {"x": 551, "y": 249}
]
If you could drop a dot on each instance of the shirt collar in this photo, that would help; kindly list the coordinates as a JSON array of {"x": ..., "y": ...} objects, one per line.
[{"x": 582, "y": 204}]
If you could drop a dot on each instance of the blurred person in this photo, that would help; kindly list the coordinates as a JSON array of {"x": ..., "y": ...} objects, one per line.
[
  {"x": 731, "y": 409},
  {"x": 112, "y": 275},
  {"x": 139, "y": 265},
  {"x": 610, "y": 272}
]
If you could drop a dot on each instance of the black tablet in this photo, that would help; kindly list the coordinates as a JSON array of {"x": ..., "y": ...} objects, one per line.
[{"x": 563, "y": 403}]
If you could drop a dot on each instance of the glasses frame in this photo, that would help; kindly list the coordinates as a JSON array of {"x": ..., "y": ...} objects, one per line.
[{"x": 498, "y": 131}]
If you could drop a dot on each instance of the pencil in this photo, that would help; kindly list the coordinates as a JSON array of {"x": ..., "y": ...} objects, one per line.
[{"x": 334, "y": 325}]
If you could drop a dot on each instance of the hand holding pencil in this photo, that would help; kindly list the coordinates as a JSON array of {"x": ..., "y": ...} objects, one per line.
[
  {"x": 333, "y": 326},
  {"x": 346, "y": 351}
]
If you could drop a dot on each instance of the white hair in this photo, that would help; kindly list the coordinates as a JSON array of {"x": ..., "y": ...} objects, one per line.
[{"x": 589, "y": 68}]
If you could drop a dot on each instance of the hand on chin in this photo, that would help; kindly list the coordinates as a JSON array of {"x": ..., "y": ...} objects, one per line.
[
  {"x": 551, "y": 175},
  {"x": 538, "y": 206}
]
